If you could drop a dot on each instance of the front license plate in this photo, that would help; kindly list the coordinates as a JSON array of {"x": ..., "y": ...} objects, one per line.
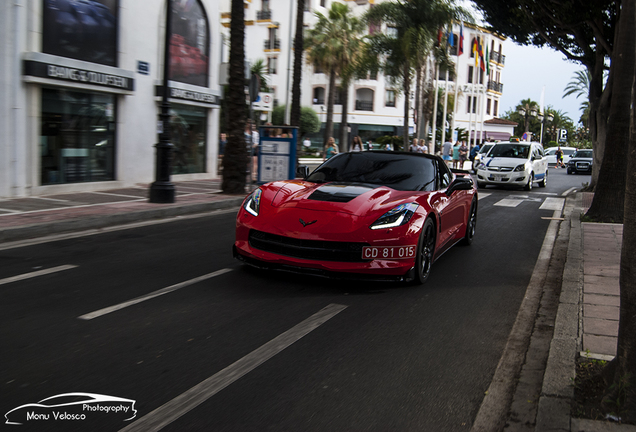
[
  {"x": 498, "y": 177},
  {"x": 388, "y": 252}
]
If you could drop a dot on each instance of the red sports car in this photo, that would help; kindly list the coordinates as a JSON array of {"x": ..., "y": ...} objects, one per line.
[{"x": 376, "y": 214}]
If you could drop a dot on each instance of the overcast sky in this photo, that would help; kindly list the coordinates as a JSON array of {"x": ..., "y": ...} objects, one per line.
[{"x": 528, "y": 69}]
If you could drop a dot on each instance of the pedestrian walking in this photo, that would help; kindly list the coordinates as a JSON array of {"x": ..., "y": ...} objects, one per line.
[
  {"x": 559, "y": 158},
  {"x": 330, "y": 150},
  {"x": 456, "y": 154},
  {"x": 447, "y": 152},
  {"x": 463, "y": 154}
]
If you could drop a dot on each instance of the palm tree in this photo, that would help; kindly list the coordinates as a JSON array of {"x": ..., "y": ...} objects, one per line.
[
  {"x": 414, "y": 25},
  {"x": 235, "y": 157},
  {"x": 325, "y": 45},
  {"x": 298, "y": 59}
]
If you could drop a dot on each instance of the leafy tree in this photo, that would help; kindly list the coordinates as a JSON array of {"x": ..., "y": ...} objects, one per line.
[
  {"x": 413, "y": 28},
  {"x": 326, "y": 46},
  {"x": 585, "y": 33},
  {"x": 309, "y": 121},
  {"x": 235, "y": 157}
]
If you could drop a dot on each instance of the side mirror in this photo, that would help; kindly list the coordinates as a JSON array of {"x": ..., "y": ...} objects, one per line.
[
  {"x": 302, "y": 171},
  {"x": 460, "y": 183}
]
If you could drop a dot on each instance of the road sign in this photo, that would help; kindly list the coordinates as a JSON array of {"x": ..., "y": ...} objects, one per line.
[
  {"x": 563, "y": 135},
  {"x": 264, "y": 102}
]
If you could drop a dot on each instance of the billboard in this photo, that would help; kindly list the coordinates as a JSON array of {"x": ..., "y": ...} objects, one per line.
[
  {"x": 189, "y": 43},
  {"x": 81, "y": 29}
]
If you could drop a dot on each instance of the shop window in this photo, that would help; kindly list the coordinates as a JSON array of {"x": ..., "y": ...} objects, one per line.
[
  {"x": 189, "y": 44},
  {"x": 390, "y": 98},
  {"x": 188, "y": 131},
  {"x": 77, "y": 140}
]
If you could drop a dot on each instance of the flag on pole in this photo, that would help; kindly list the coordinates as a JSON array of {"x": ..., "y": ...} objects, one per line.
[
  {"x": 460, "y": 50},
  {"x": 451, "y": 36},
  {"x": 487, "y": 61},
  {"x": 482, "y": 64},
  {"x": 440, "y": 34},
  {"x": 541, "y": 101},
  {"x": 476, "y": 52}
]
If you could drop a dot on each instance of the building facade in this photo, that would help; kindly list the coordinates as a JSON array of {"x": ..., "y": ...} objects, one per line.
[
  {"x": 375, "y": 109},
  {"x": 82, "y": 82}
]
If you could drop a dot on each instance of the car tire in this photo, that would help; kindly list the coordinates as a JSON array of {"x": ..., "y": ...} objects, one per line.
[
  {"x": 425, "y": 252},
  {"x": 544, "y": 182},
  {"x": 569, "y": 171},
  {"x": 471, "y": 224},
  {"x": 528, "y": 186}
]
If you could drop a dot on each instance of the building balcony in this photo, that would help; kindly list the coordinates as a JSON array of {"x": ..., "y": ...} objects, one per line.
[
  {"x": 498, "y": 58},
  {"x": 364, "y": 105},
  {"x": 495, "y": 86},
  {"x": 264, "y": 15},
  {"x": 269, "y": 44}
]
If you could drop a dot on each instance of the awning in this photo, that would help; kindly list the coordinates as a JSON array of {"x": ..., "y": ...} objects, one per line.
[{"x": 504, "y": 136}]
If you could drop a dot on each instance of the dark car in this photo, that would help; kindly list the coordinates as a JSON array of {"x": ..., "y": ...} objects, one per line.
[
  {"x": 380, "y": 214},
  {"x": 581, "y": 162}
]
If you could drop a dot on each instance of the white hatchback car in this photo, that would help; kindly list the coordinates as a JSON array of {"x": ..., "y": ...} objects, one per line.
[
  {"x": 550, "y": 153},
  {"x": 513, "y": 164}
]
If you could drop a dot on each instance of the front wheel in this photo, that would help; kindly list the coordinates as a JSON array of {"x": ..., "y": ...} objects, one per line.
[
  {"x": 425, "y": 252},
  {"x": 528, "y": 186}
]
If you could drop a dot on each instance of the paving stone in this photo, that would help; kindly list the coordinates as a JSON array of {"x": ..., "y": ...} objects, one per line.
[
  {"x": 600, "y": 344},
  {"x": 602, "y": 300},
  {"x": 602, "y": 312},
  {"x": 600, "y": 327}
]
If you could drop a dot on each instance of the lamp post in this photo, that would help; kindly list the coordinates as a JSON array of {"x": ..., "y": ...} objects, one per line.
[
  {"x": 162, "y": 190},
  {"x": 547, "y": 119}
]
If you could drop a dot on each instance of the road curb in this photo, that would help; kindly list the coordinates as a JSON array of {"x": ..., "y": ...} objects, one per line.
[{"x": 76, "y": 223}]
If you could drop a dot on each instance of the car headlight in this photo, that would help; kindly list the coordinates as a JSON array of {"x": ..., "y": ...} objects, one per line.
[
  {"x": 481, "y": 165},
  {"x": 253, "y": 202},
  {"x": 395, "y": 217},
  {"x": 520, "y": 168}
]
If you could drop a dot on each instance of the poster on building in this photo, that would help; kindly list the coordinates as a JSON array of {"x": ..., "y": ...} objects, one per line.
[
  {"x": 189, "y": 43},
  {"x": 276, "y": 156},
  {"x": 82, "y": 30}
]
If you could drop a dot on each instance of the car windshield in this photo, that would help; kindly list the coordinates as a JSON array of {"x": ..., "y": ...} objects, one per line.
[
  {"x": 485, "y": 148},
  {"x": 583, "y": 154},
  {"x": 400, "y": 171},
  {"x": 519, "y": 151},
  {"x": 568, "y": 151}
]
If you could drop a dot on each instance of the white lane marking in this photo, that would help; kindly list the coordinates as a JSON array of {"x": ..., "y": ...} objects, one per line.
[
  {"x": 553, "y": 204},
  {"x": 483, "y": 194},
  {"x": 172, "y": 410},
  {"x": 100, "y": 312},
  {"x": 506, "y": 202},
  {"x": 567, "y": 192},
  {"x": 36, "y": 274}
]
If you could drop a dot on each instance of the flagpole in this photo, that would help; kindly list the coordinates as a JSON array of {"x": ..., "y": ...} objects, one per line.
[
  {"x": 460, "y": 51},
  {"x": 435, "y": 83}
]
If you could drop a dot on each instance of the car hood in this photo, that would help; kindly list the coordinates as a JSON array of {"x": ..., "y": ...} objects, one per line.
[
  {"x": 503, "y": 162},
  {"x": 352, "y": 198},
  {"x": 581, "y": 159}
]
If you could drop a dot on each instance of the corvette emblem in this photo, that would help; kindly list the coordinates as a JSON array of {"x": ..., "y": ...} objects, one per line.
[{"x": 307, "y": 223}]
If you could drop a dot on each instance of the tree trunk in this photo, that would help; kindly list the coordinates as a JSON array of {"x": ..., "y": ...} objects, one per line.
[
  {"x": 599, "y": 99},
  {"x": 344, "y": 127},
  {"x": 298, "y": 64},
  {"x": 418, "y": 103},
  {"x": 407, "y": 105},
  {"x": 608, "y": 204},
  {"x": 235, "y": 158},
  {"x": 330, "y": 100},
  {"x": 624, "y": 382}
]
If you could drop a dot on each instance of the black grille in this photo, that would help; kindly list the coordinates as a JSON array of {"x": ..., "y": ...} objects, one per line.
[{"x": 307, "y": 249}]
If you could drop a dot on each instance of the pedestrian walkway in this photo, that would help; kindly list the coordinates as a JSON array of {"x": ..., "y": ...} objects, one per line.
[{"x": 32, "y": 217}]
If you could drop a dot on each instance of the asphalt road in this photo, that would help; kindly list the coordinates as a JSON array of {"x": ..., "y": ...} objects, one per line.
[{"x": 267, "y": 351}]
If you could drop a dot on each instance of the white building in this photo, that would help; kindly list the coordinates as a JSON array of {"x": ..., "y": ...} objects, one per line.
[
  {"x": 81, "y": 84},
  {"x": 479, "y": 91},
  {"x": 374, "y": 108}
]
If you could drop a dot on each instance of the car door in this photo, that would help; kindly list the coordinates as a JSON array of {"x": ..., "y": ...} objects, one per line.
[
  {"x": 450, "y": 210},
  {"x": 539, "y": 162}
]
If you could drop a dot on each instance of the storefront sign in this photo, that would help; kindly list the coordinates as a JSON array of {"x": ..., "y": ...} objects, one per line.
[
  {"x": 190, "y": 95},
  {"x": 83, "y": 76}
]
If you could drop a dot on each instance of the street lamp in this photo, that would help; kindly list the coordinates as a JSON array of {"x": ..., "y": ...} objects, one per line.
[
  {"x": 547, "y": 119},
  {"x": 162, "y": 191}
]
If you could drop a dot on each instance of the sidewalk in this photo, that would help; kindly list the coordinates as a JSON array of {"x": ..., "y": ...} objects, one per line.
[
  {"x": 33, "y": 217},
  {"x": 587, "y": 319}
]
